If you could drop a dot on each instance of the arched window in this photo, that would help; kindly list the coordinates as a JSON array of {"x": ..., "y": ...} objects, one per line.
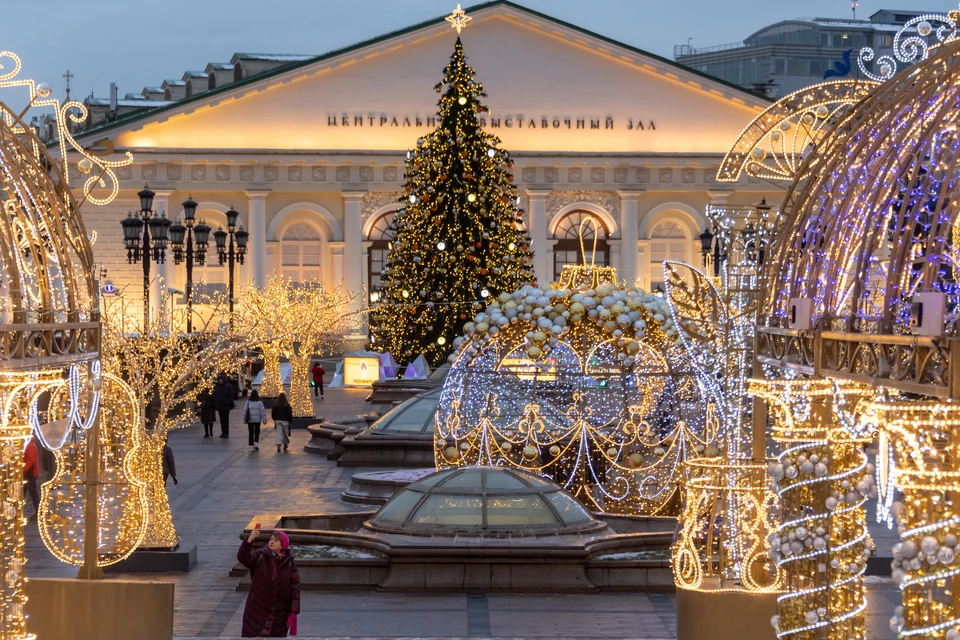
[
  {"x": 189, "y": 88},
  {"x": 166, "y": 93},
  {"x": 567, "y": 250},
  {"x": 212, "y": 81},
  {"x": 237, "y": 72},
  {"x": 301, "y": 252},
  {"x": 668, "y": 241},
  {"x": 381, "y": 233}
]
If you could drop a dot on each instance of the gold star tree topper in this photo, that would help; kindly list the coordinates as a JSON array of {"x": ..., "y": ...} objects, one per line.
[{"x": 458, "y": 19}]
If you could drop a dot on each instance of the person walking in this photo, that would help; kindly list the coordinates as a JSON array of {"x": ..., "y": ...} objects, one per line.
[
  {"x": 223, "y": 396},
  {"x": 31, "y": 474},
  {"x": 208, "y": 414},
  {"x": 254, "y": 414},
  {"x": 282, "y": 415},
  {"x": 169, "y": 465},
  {"x": 273, "y": 602},
  {"x": 318, "y": 374}
]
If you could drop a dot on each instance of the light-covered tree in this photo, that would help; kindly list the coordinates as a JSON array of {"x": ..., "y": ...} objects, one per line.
[{"x": 298, "y": 321}]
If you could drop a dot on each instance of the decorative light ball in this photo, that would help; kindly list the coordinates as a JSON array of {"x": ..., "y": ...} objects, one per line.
[
  {"x": 924, "y": 28},
  {"x": 929, "y": 545},
  {"x": 511, "y": 246},
  {"x": 635, "y": 460},
  {"x": 950, "y": 540},
  {"x": 554, "y": 451},
  {"x": 451, "y": 453},
  {"x": 909, "y": 549},
  {"x": 405, "y": 293},
  {"x": 831, "y": 503},
  {"x": 462, "y": 100},
  {"x": 820, "y": 470},
  {"x": 441, "y": 245},
  {"x": 491, "y": 152},
  {"x": 806, "y": 467},
  {"x": 796, "y": 546},
  {"x": 897, "y": 575},
  {"x": 811, "y": 617},
  {"x": 441, "y": 341},
  {"x": 413, "y": 199},
  {"x": 85, "y": 166},
  {"x": 529, "y": 453},
  {"x": 821, "y": 611},
  {"x": 44, "y": 90},
  {"x": 790, "y": 472},
  {"x": 506, "y": 447},
  {"x": 472, "y": 197},
  {"x": 819, "y": 544},
  {"x": 946, "y": 555},
  {"x": 775, "y": 622},
  {"x": 484, "y": 292}
]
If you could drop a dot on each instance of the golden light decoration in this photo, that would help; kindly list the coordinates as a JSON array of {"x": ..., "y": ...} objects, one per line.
[
  {"x": 775, "y": 145},
  {"x": 583, "y": 384},
  {"x": 920, "y": 449},
  {"x": 297, "y": 320},
  {"x": 123, "y": 508},
  {"x": 823, "y": 481},
  {"x": 49, "y": 318},
  {"x": 727, "y": 519},
  {"x": 458, "y": 19}
]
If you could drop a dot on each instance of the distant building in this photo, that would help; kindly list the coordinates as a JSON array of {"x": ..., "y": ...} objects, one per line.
[{"x": 793, "y": 54}]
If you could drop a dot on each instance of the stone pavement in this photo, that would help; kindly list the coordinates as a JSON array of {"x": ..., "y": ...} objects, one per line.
[{"x": 223, "y": 485}]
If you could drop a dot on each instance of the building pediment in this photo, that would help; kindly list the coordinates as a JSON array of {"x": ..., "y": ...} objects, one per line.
[{"x": 552, "y": 88}]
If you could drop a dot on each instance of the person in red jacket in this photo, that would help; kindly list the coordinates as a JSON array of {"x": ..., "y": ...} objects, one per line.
[
  {"x": 31, "y": 473},
  {"x": 318, "y": 374},
  {"x": 274, "y": 599}
]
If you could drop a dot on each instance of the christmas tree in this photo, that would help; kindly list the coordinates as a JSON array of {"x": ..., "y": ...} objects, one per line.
[{"x": 459, "y": 240}]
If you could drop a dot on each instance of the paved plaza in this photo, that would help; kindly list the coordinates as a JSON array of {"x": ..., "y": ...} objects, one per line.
[{"x": 223, "y": 485}]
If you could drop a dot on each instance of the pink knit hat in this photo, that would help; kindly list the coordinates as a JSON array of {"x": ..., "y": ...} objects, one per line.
[{"x": 284, "y": 538}]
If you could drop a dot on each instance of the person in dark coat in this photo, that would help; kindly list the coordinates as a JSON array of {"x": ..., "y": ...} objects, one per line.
[
  {"x": 282, "y": 415},
  {"x": 223, "y": 396},
  {"x": 274, "y": 599},
  {"x": 169, "y": 465},
  {"x": 208, "y": 414}
]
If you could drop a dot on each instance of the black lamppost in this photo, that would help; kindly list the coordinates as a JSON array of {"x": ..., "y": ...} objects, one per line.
[
  {"x": 177, "y": 232},
  {"x": 706, "y": 243},
  {"x": 138, "y": 231},
  {"x": 233, "y": 251}
]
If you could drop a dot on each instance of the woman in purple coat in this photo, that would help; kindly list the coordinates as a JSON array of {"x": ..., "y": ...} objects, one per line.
[{"x": 274, "y": 599}]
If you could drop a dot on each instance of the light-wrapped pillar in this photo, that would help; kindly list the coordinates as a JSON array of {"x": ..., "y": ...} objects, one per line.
[
  {"x": 822, "y": 478},
  {"x": 920, "y": 454}
]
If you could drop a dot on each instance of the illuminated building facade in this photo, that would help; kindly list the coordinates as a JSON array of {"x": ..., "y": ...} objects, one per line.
[{"x": 310, "y": 150}]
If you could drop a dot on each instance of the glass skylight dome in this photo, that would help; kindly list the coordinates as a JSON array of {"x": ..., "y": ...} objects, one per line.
[
  {"x": 414, "y": 416},
  {"x": 481, "y": 500}
]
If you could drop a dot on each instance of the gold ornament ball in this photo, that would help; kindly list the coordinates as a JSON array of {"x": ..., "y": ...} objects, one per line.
[
  {"x": 529, "y": 453},
  {"x": 85, "y": 166},
  {"x": 554, "y": 451},
  {"x": 506, "y": 447},
  {"x": 635, "y": 460},
  {"x": 451, "y": 454}
]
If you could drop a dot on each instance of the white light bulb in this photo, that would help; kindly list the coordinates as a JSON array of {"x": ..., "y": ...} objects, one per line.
[
  {"x": 441, "y": 341},
  {"x": 462, "y": 100},
  {"x": 413, "y": 199},
  {"x": 441, "y": 245},
  {"x": 484, "y": 293},
  {"x": 491, "y": 152}
]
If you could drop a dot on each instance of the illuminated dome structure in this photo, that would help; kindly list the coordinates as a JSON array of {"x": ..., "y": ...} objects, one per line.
[{"x": 581, "y": 381}]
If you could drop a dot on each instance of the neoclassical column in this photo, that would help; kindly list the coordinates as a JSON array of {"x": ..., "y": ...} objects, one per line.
[
  {"x": 352, "y": 242},
  {"x": 629, "y": 234},
  {"x": 163, "y": 275},
  {"x": 257, "y": 223},
  {"x": 538, "y": 234}
]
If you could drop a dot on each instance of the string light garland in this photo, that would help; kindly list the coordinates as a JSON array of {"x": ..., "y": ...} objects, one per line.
[
  {"x": 581, "y": 381},
  {"x": 823, "y": 480},
  {"x": 458, "y": 234},
  {"x": 296, "y": 320}
]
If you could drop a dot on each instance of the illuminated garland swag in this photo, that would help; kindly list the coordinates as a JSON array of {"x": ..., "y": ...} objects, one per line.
[{"x": 459, "y": 237}]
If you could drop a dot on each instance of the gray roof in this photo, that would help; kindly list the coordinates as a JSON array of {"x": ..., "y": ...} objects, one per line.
[
  {"x": 138, "y": 102},
  {"x": 218, "y": 66},
  {"x": 194, "y": 74},
  {"x": 174, "y": 83},
  {"x": 273, "y": 57}
]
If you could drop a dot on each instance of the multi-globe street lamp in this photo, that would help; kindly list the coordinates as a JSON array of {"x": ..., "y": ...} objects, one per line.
[
  {"x": 188, "y": 229},
  {"x": 232, "y": 251},
  {"x": 145, "y": 235}
]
